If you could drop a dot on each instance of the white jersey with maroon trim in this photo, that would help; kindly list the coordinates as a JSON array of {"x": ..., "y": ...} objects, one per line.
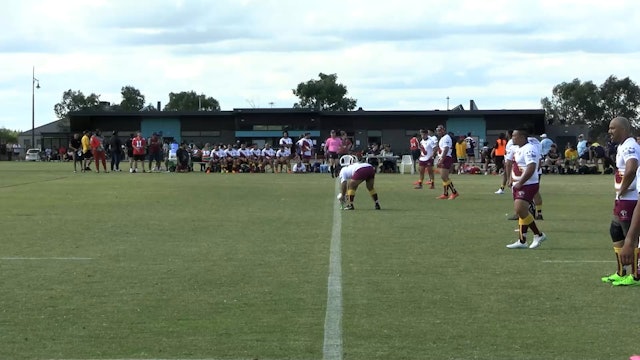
[
  {"x": 346, "y": 172},
  {"x": 427, "y": 148},
  {"x": 523, "y": 156},
  {"x": 629, "y": 149}
]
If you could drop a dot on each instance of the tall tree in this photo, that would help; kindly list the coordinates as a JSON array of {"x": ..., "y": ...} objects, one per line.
[
  {"x": 585, "y": 103},
  {"x": 132, "y": 99},
  {"x": 620, "y": 98},
  {"x": 8, "y": 136},
  {"x": 74, "y": 101},
  {"x": 324, "y": 94},
  {"x": 575, "y": 102},
  {"x": 190, "y": 101}
]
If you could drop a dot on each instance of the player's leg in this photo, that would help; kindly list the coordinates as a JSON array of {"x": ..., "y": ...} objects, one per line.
[{"x": 370, "y": 182}]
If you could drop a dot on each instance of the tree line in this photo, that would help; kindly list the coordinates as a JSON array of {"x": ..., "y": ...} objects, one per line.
[
  {"x": 322, "y": 94},
  {"x": 574, "y": 102}
]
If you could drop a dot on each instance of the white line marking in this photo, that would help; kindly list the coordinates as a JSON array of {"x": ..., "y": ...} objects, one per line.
[
  {"x": 576, "y": 261},
  {"x": 46, "y": 258},
  {"x": 332, "y": 347}
]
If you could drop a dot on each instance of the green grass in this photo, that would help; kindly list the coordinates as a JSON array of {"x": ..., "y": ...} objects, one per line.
[{"x": 235, "y": 266}]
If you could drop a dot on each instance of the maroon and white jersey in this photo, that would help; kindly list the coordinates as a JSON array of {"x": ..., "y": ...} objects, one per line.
[
  {"x": 255, "y": 152},
  {"x": 428, "y": 147},
  {"x": 221, "y": 153},
  {"x": 629, "y": 149},
  {"x": 268, "y": 152},
  {"x": 286, "y": 142},
  {"x": 283, "y": 153},
  {"x": 233, "y": 153},
  {"x": 244, "y": 152},
  {"x": 305, "y": 145},
  {"x": 346, "y": 172}
]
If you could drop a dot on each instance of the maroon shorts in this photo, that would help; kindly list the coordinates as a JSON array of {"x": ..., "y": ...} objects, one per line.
[
  {"x": 364, "y": 173},
  {"x": 446, "y": 163},
  {"x": 425, "y": 163},
  {"x": 623, "y": 209},
  {"x": 526, "y": 192}
]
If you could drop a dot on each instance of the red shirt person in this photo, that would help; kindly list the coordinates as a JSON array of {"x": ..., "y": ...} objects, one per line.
[{"x": 139, "y": 145}]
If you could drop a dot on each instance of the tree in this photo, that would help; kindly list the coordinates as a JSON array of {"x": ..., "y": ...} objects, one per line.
[
  {"x": 620, "y": 98},
  {"x": 190, "y": 101},
  {"x": 585, "y": 103},
  {"x": 323, "y": 94},
  {"x": 8, "y": 136},
  {"x": 74, "y": 101},
  {"x": 574, "y": 102},
  {"x": 132, "y": 99}
]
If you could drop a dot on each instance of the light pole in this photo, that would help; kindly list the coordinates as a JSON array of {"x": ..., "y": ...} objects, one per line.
[{"x": 35, "y": 84}]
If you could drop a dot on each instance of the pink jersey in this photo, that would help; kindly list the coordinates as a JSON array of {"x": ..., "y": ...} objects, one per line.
[{"x": 333, "y": 144}]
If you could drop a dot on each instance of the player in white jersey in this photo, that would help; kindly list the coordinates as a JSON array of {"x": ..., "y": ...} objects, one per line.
[
  {"x": 268, "y": 157},
  {"x": 445, "y": 161},
  {"x": 624, "y": 228},
  {"x": 537, "y": 199},
  {"x": 525, "y": 184},
  {"x": 353, "y": 175},
  {"x": 427, "y": 147},
  {"x": 282, "y": 158}
]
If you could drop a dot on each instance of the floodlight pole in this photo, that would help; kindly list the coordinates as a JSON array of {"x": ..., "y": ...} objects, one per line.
[{"x": 35, "y": 84}]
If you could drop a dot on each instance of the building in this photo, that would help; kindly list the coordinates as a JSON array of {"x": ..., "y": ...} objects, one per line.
[
  {"x": 266, "y": 125},
  {"x": 50, "y": 133}
]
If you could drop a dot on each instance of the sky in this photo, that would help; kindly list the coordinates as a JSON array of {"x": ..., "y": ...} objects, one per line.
[{"x": 391, "y": 55}]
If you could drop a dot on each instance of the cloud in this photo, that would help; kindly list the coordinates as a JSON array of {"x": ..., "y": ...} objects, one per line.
[{"x": 405, "y": 54}]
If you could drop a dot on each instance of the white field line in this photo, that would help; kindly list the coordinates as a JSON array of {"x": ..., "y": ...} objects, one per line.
[
  {"x": 47, "y": 258},
  {"x": 332, "y": 347},
  {"x": 576, "y": 261}
]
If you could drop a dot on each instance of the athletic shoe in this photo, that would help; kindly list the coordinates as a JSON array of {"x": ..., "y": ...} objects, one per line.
[
  {"x": 513, "y": 217},
  {"x": 442, "y": 197},
  {"x": 417, "y": 182},
  {"x": 349, "y": 207},
  {"x": 517, "y": 245},
  {"x": 429, "y": 182},
  {"x": 131, "y": 170},
  {"x": 537, "y": 240},
  {"x": 453, "y": 196},
  {"x": 431, "y": 187},
  {"x": 628, "y": 280},
  {"x": 612, "y": 278},
  {"x": 418, "y": 187},
  {"x": 500, "y": 191},
  {"x": 539, "y": 217},
  {"x": 377, "y": 206}
]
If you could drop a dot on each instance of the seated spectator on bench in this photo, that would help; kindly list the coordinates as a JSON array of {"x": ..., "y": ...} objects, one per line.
[
  {"x": 570, "y": 158},
  {"x": 268, "y": 158},
  {"x": 388, "y": 165},
  {"x": 374, "y": 150},
  {"x": 552, "y": 161}
]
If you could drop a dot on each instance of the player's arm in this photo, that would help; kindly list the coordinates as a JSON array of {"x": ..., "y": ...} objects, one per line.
[
  {"x": 630, "y": 245},
  {"x": 631, "y": 165},
  {"x": 528, "y": 172}
]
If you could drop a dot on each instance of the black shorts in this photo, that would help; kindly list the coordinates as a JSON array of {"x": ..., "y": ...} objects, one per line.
[
  {"x": 87, "y": 155},
  {"x": 130, "y": 153},
  {"x": 585, "y": 156},
  {"x": 138, "y": 157},
  {"x": 333, "y": 155},
  {"x": 415, "y": 154}
]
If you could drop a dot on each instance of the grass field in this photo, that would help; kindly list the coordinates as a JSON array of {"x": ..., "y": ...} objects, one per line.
[{"x": 236, "y": 266}]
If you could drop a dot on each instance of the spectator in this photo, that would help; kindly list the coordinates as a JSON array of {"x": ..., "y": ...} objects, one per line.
[
  {"x": 388, "y": 163},
  {"x": 583, "y": 150},
  {"x": 552, "y": 161},
  {"x": 471, "y": 149},
  {"x": 546, "y": 143},
  {"x": 115, "y": 147},
  {"x": 461, "y": 154},
  {"x": 570, "y": 158}
]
